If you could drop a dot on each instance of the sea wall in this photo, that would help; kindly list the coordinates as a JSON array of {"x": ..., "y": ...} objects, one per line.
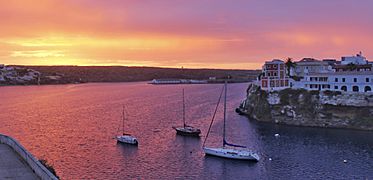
[
  {"x": 34, "y": 164},
  {"x": 310, "y": 108}
]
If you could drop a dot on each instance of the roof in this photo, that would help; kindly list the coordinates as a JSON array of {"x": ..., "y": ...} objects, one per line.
[
  {"x": 309, "y": 60},
  {"x": 346, "y": 66},
  {"x": 342, "y": 73},
  {"x": 275, "y": 61}
]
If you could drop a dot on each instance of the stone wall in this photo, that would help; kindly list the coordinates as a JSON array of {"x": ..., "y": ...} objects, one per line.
[{"x": 35, "y": 165}]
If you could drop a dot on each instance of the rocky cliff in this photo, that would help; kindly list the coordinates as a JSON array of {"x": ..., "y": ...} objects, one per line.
[{"x": 309, "y": 108}]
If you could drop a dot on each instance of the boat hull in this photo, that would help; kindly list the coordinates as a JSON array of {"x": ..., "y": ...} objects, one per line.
[
  {"x": 232, "y": 153},
  {"x": 128, "y": 139},
  {"x": 187, "y": 131}
]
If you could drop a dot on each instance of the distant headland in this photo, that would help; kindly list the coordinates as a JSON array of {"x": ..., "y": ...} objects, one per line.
[{"x": 33, "y": 75}]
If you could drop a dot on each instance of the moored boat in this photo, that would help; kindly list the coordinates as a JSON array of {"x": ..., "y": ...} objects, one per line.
[
  {"x": 186, "y": 130},
  {"x": 228, "y": 150},
  {"x": 232, "y": 153},
  {"x": 125, "y": 137}
]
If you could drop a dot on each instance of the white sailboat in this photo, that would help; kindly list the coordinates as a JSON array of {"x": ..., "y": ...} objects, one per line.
[
  {"x": 186, "y": 130},
  {"x": 228, "y": 150},
  {"x": 126, "y": 138}
]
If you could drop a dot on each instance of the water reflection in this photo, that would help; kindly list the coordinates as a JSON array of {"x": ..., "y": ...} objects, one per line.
[{"x": 72, "y": 126}]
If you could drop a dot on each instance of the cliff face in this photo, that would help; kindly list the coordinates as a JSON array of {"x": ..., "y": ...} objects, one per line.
[{"x": 310, "y": 108}]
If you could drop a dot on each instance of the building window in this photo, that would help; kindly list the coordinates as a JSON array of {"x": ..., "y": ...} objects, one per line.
[
  {"x": 336, "y": 79},
  {"x": 355, "y": 88},
  {"x": 367, "y": 89},
  {"x": 335, "y": 87},
  {"x": 355, "y": 79},
  {"x": 343, "y": 79},
  {"x": 366, "y": 79},
  {"x": 275, "y": 74},
  {"x": 344, "y": 88},
  {"x": 264, "y": 83},
  {"x": 323, "y": 79}
]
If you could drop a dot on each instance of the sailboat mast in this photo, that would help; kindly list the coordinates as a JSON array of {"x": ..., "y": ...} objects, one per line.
[
  {"x": 123, "y": 120},
  {"x": 225, "y": 110},
  {"x": 184, "y": 109}
]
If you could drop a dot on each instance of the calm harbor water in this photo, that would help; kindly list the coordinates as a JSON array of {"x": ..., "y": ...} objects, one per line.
[{"x": 72, "y": 126}]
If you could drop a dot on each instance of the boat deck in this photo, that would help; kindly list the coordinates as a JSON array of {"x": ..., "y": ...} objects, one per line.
[{"x": 12, "y": 165}]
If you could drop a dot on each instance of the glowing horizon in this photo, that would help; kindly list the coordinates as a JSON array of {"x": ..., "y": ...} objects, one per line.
[{"x": 191, "y": 34}]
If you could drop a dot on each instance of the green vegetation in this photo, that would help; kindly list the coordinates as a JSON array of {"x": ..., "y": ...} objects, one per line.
[
  {"x": 130, "y": 74},
  {"x": 363, "y": 118},
  {"x": 49, "y": 167},
  {"x": 289, "y": 64},
  {"x": 290, "y": 96},
  {"x": 351, "y": 67},
  {"x": 332, "y": 93},
  {"x": 306, "y": 109},
  {"x": 259, "y": 105},
  {"x": 301, "y": 99}
]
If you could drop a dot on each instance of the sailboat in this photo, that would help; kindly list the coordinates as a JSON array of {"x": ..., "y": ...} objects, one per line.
[
  {"x": 228, "y": 150},
  {"x": 126, "y": 138},
  {"x": 186, "y": 130}
]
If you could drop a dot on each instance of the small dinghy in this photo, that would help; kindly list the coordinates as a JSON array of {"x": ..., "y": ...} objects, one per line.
[{"x": 126, "y": 138}]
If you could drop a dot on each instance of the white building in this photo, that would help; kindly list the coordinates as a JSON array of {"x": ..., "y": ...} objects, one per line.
[
  {"x": 338, "y": 81},
  {"x": 351, "y": 74},
  {"x": 358, "y": 59},
  {"x": 310, "y": 65}
]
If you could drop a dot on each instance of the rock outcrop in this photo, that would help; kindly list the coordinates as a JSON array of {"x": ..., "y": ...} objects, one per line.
[
  {"x": 21, "y": 75},
  {"x": 310, "y": 108},
  {"x": 10, "y": 75}
]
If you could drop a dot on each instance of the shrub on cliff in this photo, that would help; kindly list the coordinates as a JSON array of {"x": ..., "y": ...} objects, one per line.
[
  {"x": 257, "y": 105},
  {"x": 300, "y": 99},
  {"x": 332, "y": 93},
  {"x": 290, "y": 96},
  {"x": 49, "y": 167}
]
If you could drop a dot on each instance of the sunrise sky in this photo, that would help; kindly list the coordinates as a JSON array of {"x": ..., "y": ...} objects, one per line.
[{"x": 239, "y": 34}]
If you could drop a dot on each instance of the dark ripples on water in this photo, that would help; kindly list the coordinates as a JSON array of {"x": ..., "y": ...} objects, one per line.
[{"x": 72, "y": 126}]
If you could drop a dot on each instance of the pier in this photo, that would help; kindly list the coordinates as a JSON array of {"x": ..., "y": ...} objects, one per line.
[{"x": 17, "y": 163}]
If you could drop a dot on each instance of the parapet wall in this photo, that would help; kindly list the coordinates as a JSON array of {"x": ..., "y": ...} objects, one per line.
[{"x": 39, "y": 169}]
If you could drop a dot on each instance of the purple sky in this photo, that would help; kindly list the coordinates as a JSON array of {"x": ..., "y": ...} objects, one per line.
[{"x": 189, "y": 33}]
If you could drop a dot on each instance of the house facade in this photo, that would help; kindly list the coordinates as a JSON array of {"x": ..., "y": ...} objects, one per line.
[
  {"x": 274, "y": 76},
  {"x": 338, "y": 81},
  {"x": 310, "y": 65},
  {"x": 351, "y": 74}
]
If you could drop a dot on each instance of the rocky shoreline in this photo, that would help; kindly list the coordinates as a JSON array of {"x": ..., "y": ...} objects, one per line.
[{"x": 309, "y": 108}]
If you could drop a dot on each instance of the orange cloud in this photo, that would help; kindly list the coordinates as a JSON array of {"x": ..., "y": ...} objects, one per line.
[{"x": 174, "y": 33}]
